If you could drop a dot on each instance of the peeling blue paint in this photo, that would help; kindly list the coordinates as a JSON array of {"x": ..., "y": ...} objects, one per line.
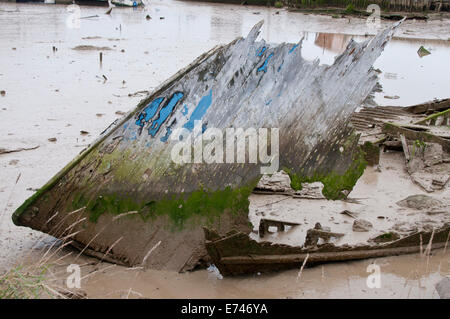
[
  {"x": 149, "y": 112},
  {"x": 200, "y": 110},
  {"x": 264, "y": 66},
  {"x": 166, "y": 137},
  {"x": 261, "y": 52},
  {"x": 293, "y": 48},
  {"x": 185, "y": 110},
  {"x": 164, "y": 113}
]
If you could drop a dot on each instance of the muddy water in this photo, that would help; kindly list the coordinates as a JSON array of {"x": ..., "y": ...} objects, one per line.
[
  {"x": 58, "y": 93},
  {"x": 408, "y": 276}
]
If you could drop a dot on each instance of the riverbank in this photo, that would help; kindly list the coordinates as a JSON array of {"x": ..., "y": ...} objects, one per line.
[{"x": 347, "y": 6}]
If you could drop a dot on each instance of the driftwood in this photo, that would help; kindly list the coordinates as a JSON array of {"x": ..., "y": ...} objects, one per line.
[
  {"x": 416, "y": 133},
  {"x": 265, "y": 223},
  {"x": 437, "y": 105},
  {"x": 6, "y": 151}
]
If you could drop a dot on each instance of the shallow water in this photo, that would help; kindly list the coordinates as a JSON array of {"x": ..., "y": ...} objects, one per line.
[
  {"x": 59, "y": 93},
  {"x": 409, "y": 276}
]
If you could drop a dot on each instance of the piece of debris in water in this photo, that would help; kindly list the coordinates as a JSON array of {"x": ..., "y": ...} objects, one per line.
[
  {"x": 90, "y": 48},
  {"x": 265, "y": 223},
  {"x": 392, "y": 97},
  {"x": 6, "y": 151},
  {"x": 423, "y": 52},
  {"x": 318, "y": 232},
  {"x": 361, "y": 225},
  {"x": 350, "y": 214}
]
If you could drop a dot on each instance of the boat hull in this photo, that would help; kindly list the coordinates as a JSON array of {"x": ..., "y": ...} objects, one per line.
[{"x": 125, "y": 197}]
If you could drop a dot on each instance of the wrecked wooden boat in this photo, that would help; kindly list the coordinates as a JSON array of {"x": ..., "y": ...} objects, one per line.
[
  {"x": 126, "y": 200},
  {"x": 417, "y": 223}
]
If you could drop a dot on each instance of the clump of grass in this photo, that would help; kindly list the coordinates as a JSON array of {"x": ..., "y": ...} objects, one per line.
[
  {"x": 17, "y": 283},
  {"x": 350, "y": 8},
  {"x": 278, "y": 4}
]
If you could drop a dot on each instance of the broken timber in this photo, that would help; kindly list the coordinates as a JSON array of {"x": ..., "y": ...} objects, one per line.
[
  {"x": 237, "y": 254},
  {"x": 126, "y": 197}
]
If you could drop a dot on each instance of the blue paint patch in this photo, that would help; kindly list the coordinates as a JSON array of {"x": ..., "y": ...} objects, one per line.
[
  {"x": 164, "y": 113},
  {"x": 264, "y": 66},
  {"x": 293, "y": 48},
  {"x": 261, "y": 52},
  {"x": 166, "y": 137},
  {"x": 268, "y": 102},
  {"x": 149, "y": 112},
  {"x": 199, "y": 112},
  {"x": 185, "y": 110}
]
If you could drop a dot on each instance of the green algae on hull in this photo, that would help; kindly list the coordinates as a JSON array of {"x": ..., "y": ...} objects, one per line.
[
  {"x": 334, "y": 183},
  {"x": 179, "y": 209}
]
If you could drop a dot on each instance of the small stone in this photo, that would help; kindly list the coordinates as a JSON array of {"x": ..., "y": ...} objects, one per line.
[
  {"x": 419, "y": 202},
  {"x": 361, "y": 225},
  {"x": 84, "y": 132},
  {"x": 52, "y": 139},
  {"x": 2, "y": 92}
]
